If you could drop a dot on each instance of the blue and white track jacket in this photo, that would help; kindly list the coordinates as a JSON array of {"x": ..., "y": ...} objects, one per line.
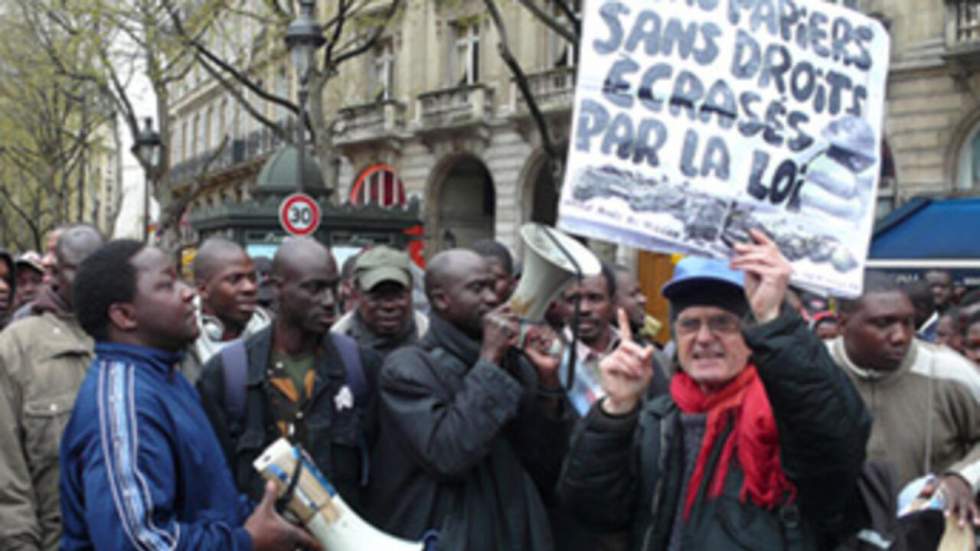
[{"x": 141, "y": 467}]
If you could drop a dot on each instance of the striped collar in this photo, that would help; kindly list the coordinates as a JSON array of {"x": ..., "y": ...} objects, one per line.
[{"x": 161, "y": 360}]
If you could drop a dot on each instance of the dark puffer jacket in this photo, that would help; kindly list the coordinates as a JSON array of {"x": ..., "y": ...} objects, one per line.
[
  {"x": 626, "y": 472},
  {"x": 465, "y": 446}
]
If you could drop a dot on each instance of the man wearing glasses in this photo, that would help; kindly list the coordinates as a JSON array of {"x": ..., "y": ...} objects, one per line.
[
  {"x": 758, "y": 444},
  {"x": 384, "y": 318}
]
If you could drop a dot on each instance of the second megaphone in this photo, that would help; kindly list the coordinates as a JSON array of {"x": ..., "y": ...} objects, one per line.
[{"x": 316, "y": 503}]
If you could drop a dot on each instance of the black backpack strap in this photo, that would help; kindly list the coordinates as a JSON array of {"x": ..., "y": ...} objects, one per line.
[
  {"x": 350, "y": 354},
  {"x": 234, "y": 367}
]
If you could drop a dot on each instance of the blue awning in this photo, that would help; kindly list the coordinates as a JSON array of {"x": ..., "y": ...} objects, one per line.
[
  {"x": 929, "y": 229},
  {"x": 930, "y": 232}
]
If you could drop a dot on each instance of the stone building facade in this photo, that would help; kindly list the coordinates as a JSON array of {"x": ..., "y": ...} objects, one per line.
[
  {"x": 433, "y": 112},
  {"x": 933, "y": 98},
  {"x": 433, "y": 109}
]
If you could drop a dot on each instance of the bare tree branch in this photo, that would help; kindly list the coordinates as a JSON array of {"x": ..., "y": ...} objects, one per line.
[
  {"x": 206, "y": 57},
  {"x": 170, "y": 218},
  {"x": 521, "y": 80},
  {"x": 549, "y": 20}
]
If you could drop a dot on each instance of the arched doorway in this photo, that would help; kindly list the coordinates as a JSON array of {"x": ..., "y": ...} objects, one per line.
[{"x": 466, "y": 204}]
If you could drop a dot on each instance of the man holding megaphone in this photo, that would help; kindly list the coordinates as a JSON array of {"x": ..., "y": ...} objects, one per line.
[{"x": 470, "y": 426}]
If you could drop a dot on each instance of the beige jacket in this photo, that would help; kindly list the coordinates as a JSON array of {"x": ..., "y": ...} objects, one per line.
[
  {"x": 926, "y": 413},
  {"x": 43, "y": 360}
]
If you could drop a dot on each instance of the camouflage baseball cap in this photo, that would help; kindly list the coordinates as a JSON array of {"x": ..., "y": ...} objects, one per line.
[{"x": 380, "y": 264}]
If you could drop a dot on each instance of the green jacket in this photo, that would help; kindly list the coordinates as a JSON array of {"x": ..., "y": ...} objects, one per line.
[{"x": 43, "y": 360}]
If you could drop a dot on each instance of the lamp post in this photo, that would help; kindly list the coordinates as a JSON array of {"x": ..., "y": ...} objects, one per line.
[
  {"x": 147, "y": 148},
  {"x": 304, "y": 37}
]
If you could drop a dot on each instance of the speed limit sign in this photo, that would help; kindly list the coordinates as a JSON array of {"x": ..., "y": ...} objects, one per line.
[{"x": 299, "y": 214}]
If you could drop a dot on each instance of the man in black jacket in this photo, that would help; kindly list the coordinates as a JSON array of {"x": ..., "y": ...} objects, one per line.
[
  {"x": 760, "y": 442},
  {"x": 298, "y": 381},
  {"x": 469, "y": 430}
]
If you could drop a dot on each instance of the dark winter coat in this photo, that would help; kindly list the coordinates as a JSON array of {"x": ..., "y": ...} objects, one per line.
[
  {"x": 625, "y": 472},
  {"x": 465, "y": 446},
  {"x": 338, "y": 439}
]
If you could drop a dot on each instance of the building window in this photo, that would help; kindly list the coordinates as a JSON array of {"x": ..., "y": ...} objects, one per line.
[
  {"x": 466, "y": 55},
  {"x": 258, "y": 103},
  {"x": 198, "y": 145},
  {"x": 384, "y": 72},
  {"x": 562, "y": 51},
  {"x": 176, "y": 141},
  {"x": 217, "y": 126},
  {"x": 228, "y": 119},
  {"x": 887, "y": 182},
  {"x": 184, "y": 142},
  {"x": 282, "y": 91},
  {"x": 210, "y": 122}
]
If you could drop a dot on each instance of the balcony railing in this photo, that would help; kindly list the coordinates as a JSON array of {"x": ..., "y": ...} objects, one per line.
[
  {"x": 454, "y": 106},
  {"x": 240, "y": 150},
  {"x": 962, "y": 22},
  {"x": 367, "y": 122},
  {"x": 553, "y": 89}
]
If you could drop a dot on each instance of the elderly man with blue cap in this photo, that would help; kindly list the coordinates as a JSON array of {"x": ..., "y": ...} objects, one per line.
[{"x": 760, "y": 441}]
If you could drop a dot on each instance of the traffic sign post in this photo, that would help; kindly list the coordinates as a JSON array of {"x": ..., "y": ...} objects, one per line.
[{"x": 299, "y": 214}]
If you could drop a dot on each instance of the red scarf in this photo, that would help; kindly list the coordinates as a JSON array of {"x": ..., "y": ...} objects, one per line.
[{"x": 753, "y": 438}]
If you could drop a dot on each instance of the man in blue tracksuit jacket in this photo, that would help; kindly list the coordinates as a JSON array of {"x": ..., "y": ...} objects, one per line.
[{"x": 141, "y": 467}]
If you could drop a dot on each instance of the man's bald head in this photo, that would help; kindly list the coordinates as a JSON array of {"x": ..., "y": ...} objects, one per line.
[
  {"x": 305, "y": 275},
  {"x": 295, "y": 251},
  {"x": 214, "y": 253},
  {"x": 447, "y": 267},
  {"x": 460, "y": 289},
  {"x": 75, "y": 244}
]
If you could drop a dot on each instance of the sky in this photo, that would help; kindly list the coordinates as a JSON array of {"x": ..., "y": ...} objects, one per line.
[{"x": 131, "y": 211}]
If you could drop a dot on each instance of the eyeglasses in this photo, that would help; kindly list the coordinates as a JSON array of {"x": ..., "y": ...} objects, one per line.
[{"x": 720, "y": 324}]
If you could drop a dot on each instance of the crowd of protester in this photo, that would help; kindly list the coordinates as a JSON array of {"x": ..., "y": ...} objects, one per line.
[{"x": 755, "y": 416}]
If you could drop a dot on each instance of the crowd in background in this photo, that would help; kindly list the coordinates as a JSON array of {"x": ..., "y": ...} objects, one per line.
[{"x": 437, "y": 414}]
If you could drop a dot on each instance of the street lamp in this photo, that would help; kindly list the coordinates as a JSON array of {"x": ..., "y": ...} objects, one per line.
[
  {"x": 147, "y": 149},
  {"x": 304, "y": 37}
]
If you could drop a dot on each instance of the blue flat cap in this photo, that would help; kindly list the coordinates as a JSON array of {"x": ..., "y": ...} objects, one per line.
[{"x": 696, "y": 271}]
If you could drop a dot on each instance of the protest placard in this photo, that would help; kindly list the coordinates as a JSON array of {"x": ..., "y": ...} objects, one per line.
[{"x": 696, "y": 120}]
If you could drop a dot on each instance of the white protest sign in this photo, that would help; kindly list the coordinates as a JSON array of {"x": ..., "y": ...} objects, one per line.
[{"x": 696, "y": 120}]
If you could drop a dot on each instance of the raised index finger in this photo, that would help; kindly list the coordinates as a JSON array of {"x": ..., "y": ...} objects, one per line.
[{"x": 625, "y": 333}]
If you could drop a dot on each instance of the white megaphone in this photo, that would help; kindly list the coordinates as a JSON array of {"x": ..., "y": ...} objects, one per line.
[
  {"x": 319, "y": 507},
  {"x": 551, "y": 262}
]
